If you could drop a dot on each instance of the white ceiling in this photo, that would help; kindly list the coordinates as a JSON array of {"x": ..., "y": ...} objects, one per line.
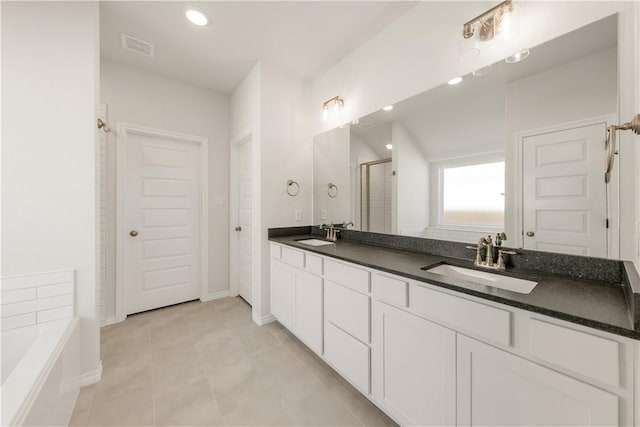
[{"x": 304, "y": 38}]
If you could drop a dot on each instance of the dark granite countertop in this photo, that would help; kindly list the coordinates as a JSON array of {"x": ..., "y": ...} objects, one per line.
[{"x": 593, "y": 303}]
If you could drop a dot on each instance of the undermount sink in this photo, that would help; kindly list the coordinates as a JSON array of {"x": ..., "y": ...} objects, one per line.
[
  {"x": 314, "y": 242},
  {"x": 512, "y": 284}
]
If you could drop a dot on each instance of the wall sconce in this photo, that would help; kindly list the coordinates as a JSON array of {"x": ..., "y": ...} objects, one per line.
[
  {"x": 335, "y": 105},
  {"x": 499, "y": 20}
]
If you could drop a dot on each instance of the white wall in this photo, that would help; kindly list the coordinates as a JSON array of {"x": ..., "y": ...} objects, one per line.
[
  {"x": 331, "y": 164},
  {"x": 420, "y": 51},
  {"x": 411, "y": 185},
  {"x": 138, "y": 97},
  {"x": 274, "y": 106},
  {"x": 49, "y": 166}
]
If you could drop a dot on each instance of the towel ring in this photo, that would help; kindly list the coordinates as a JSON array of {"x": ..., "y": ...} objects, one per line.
[
  {"x": 291, "y": 190},
  {"x": 333, "y": 190},
  {"x": 610, "y": 146}
]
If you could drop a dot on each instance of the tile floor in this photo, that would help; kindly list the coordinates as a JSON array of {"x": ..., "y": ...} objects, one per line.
[{"x": 198, "y": 364}]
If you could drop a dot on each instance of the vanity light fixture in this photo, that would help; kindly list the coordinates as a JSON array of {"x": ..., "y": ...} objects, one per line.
[
  {"x": 388, "y": 108},
  {"x": 499, "y": 20},
  {"x": 389, "y": 146},
  {"x": 334, "y": 105},
  {"x": 196, "y": 17},
  {"x": 454, "y": 81},
  {"x": 520, "y": 55}
]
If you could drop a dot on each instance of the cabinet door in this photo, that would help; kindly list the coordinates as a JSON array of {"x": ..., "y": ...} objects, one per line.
[
  {"x": 308, "y": 310},
  {"x": 413, "y": 367},
  {"x": 500, "y": 389},
  {"x": 283, "y": 280}
]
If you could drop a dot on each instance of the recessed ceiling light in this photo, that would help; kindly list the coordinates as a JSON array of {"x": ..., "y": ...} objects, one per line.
[
  {"x": 482, "y": 71},
  {"x": 388, "y": 108},
  {"x": 455, "y": 81},
  {"x": 521, "y": 55},
  {"x": 196, "y": 17},
  {"x": 389, "y": 146}
]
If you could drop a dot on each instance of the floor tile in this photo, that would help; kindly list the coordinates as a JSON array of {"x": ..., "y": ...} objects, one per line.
[
  {"x": 210, "y": 364},
  {"x": 189, "y": 405}
]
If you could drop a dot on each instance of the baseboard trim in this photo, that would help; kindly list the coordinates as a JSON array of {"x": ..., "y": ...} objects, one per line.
[
  {"x": 91, "y": 377},
  {"x": 215, "y": 295},
  {"x": 269, "y": 318},
  {"x": 110, "y": 320}
]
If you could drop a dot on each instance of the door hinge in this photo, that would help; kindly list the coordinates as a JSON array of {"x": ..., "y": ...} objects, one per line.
[{"x": 607, "y": 223}]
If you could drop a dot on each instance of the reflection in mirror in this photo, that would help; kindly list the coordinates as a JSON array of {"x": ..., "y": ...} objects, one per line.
[{"x": 513, "y": 147}]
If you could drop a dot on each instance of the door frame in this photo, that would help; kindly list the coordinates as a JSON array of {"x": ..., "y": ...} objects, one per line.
[
  {"x": 613, "y": 188},
  {"x": 245, "y": 137},
  {"x": 123, "y": 130}
]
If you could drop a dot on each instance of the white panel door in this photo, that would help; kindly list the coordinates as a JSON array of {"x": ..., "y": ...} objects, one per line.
[
  {"x": 564, "y": 193},
  {"x": 413, "y": 368},
  {"x": 496, "y": 388},
  {"x": 245, "y": 219},
  {"x": 162, "y": 203}
]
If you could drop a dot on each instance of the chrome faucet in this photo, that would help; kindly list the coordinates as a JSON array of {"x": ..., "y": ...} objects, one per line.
[
  {"x": 332, "y": 232},
  {"x": 487, "y": 242},
  {"x": 347, "y": 224}
]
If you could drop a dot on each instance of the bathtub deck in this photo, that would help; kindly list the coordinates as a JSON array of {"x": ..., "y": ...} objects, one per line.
[{"x": 209, "y": 364}]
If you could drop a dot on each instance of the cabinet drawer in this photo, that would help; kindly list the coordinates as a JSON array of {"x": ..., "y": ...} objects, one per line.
[
  {"x": 390, "y": 289},
  {"x": 576, "y": 351},
  {"x": 347, "y": 355},
  {"x": 313, "y": 264},
  {"x": 352, "y": 277},
  {"x": 347, "y": 309},
  {"x": 478, "y": 319},
  {"x": 275, "y": 250},
  {"x": 293, "y": 257}
]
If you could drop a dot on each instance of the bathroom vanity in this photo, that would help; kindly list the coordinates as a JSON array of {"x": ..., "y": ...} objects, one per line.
[{"x": 434, "y": 349}]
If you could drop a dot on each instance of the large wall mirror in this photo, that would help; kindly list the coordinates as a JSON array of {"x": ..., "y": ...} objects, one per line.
[{"x": 514, "y": 147}]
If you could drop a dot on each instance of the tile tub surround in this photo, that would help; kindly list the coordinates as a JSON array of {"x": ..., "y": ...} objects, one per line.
[
  {"x": 599, "y": 304},
  {"x": 209, "y": 364}
]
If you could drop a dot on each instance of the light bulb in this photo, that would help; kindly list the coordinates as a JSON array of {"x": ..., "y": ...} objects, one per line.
[
  {"x": 454, "y": 81},
  {"x": 325, "y": 113},
  {"x": 469, "y": 48},
  {"x": 389, "y": 146},
  {"x": 388, "y": 108},
  {"x": 506, "y": 22}
]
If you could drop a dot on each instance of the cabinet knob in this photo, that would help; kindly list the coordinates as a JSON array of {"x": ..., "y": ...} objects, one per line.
[
  {"x": 133, "y": 233},
  {"x": 530, "y": 233},
  {"x": 238, "y": 228}
]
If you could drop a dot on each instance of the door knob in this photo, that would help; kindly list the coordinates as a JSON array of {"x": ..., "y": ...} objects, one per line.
[
  {"x": 238, "y": 228},
  {"x": 133, "y": 233},
  {"x": 530, "y": 233}
]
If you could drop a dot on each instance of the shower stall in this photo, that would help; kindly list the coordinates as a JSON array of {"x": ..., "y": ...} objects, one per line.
[{"x": 375, "y": 196}]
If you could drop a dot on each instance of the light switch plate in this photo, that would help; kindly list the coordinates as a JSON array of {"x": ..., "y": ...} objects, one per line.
[
  {"x": 298, "y": 215},
  {"x": 323, "y": 214}
]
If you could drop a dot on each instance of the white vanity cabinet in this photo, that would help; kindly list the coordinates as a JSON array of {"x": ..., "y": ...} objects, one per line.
[
  {"x": 496, "y": 388},
  {"x": 413, "y": 367},
  {"x": 431, "y": 356},
  {"x": 347, "y": 307},
  {"x": 296, "y": 295},
  {"x": 283, "y": 284}
]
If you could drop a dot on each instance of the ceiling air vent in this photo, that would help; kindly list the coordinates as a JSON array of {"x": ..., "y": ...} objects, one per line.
[{"x": 138, "y": 46}]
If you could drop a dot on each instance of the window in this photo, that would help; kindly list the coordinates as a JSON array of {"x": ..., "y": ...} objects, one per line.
[{"x": 471, "y": 194}]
